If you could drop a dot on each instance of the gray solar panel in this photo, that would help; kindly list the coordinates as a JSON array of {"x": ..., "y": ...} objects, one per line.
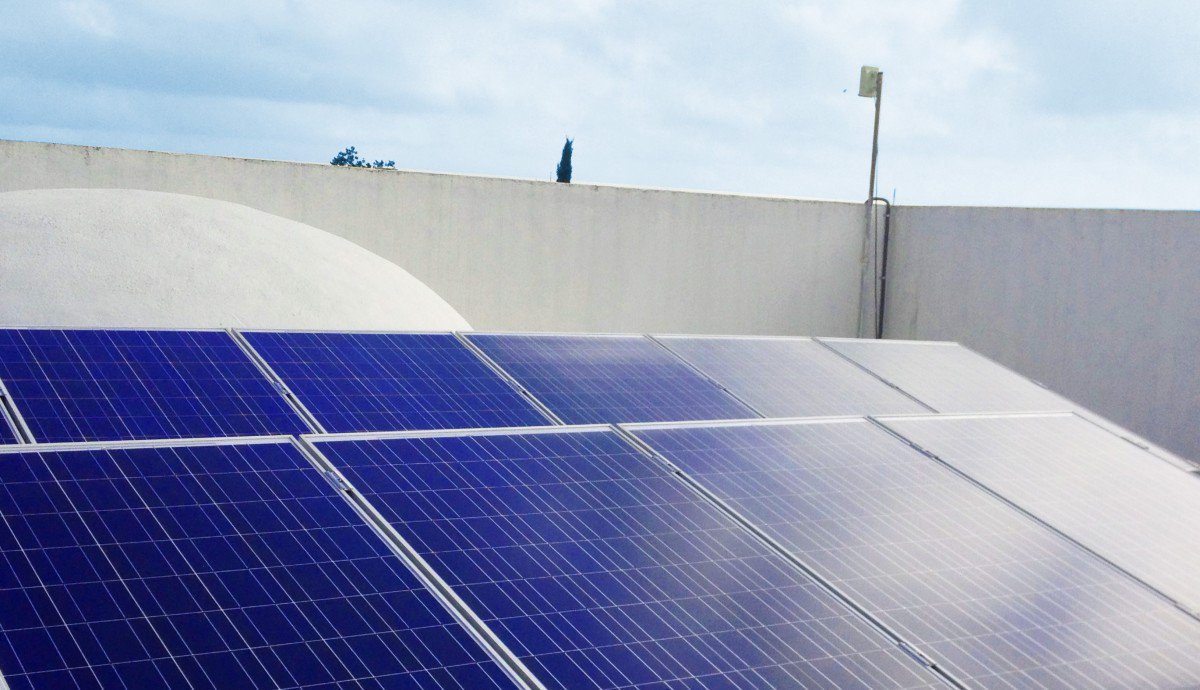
[
  {"x": 1096, "y": 488},
  {"x": 208, "y": 565},
  {"x": 602, "y": 570},
  {"x": 997, "y": 599},
  {"x": 948, "y": 377},
  {"x": 790, "y": 377},
  {"x": 951, "y": 378}
]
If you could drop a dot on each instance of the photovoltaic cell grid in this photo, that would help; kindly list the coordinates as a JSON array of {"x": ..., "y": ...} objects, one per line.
[
  {"x": 790, "y": 377},
  {"x": 209, "y": 567},
  {"x": 601, "y": 570},
  {"x": 606, "y": 379},
  {"x": 7, "y": 433},
  {"x": 998, "y": 600},
  {"x": 949, "y": 377},
  {"x": 1096, "y": 488},
  {"x": 392, "y": 381},
  {"x": 94, "y": 385}
]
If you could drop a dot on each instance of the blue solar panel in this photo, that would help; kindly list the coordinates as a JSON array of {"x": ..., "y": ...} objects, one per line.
[
  {"x": 599, "y": 569},
  {"x": 605, "y": 379},
  {"x": 392, "y": 381},
  {"x": 1096, "y": 488},
  {"x": 995, "y": 598},
  {"x": 8, "y": 432},
  {"x": 790, "y": 377},
  {"x": 231, "y": 566},
  {"x": 93, "y": 385}
]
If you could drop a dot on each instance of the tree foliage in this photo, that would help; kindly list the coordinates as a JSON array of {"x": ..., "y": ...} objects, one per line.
[
  {"x": 349, "y": 157},
  {"x": 564, "y": 164}
]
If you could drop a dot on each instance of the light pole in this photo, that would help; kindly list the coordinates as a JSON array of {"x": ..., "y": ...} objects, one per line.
[{"x": 870, "y": 84}]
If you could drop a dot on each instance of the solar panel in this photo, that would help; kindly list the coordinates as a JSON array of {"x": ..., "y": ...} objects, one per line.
[
  {"x": 94, "y": 385},
  {"x": 601, "y": 379},
  {"x": 392, "y": 381},
  {"x": 599, "y": 569},
  {"x": 209, "y": 566},
  {"x": 790, "y": 377},
  {"x": 948, "y": 377},
  {"x": 997, "y": 599},
  {"x": 1096, "y": 488}
]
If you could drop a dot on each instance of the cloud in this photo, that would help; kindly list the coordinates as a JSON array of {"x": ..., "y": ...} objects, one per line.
[
  {"x": 1064, "y": 103},
  {"x": 92, "y": 16}
]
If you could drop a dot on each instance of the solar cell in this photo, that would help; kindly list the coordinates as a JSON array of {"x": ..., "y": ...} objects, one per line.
[
  {"x": 7, "y": 435},
  {"x": 586, "y": 379},
  {"x": 1096, "y": 488},
  {"x": 392, "y": 381},
  {"x": 96, "y": 385},
  {"x": 599, "y": 569},
  {"x": 790, "y": 377},
  {"x": 997, "y": 599},
  {"x": 8, "y": 426},
  {"x": 209, "y": 566}
]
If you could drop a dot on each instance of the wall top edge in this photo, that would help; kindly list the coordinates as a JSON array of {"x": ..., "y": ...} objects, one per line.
[
  {"x": 1041, "y": 209},
  {"x": 406, "y": 171},
  {"x": 597, "y": 186}
]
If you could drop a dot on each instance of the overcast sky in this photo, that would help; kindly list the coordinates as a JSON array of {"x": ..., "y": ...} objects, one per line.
[{"x": 1043, "y": 102}]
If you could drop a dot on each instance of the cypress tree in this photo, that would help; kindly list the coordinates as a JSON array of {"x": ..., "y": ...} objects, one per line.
[{"x": 564, "y": 164}]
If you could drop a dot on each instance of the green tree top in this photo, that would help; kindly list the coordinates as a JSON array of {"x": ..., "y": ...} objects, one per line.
[{"x": 349, "y": 157}]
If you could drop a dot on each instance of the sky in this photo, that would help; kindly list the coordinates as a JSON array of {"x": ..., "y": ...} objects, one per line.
[{"x": 1024, "y": 103}]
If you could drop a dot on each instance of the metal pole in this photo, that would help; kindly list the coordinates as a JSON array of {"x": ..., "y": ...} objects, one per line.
[
  {"x": 882, "y": 279},
  {"x": 875, "y": 136}
]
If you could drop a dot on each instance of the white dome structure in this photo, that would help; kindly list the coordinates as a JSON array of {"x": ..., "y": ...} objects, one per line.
[{"x": 121, "y": 257}]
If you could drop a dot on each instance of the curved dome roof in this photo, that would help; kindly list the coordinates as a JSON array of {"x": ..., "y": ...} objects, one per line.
[{"x": 121, "y": 257}]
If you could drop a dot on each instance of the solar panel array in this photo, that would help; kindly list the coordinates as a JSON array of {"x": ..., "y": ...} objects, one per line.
[
  {"x": 94, "y": 385},
  {"x": 792, "y": 555},
  {"x": 601, "y": 570},
  {"x": 790, "y": 377},
  {"x": 999, "y": 600},
  {"x": 218, "y": 566},
  {"x": 606, "y": 379},
  {"x": 392, "y": 381},
  {"x": 1096, "y": 488}
]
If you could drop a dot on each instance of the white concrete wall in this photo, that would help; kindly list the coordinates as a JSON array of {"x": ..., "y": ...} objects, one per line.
[
  {"x": 528, "y": 255},
  {"x": 1102, "y": 306}
]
